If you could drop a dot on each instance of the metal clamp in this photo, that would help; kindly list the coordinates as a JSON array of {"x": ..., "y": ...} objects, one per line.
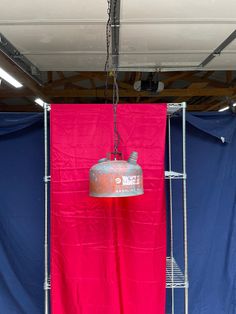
[
  {"x": 184, "y": 104},
  {"x": 47, "y": 284},
  {"x": 47, "y": 106},
  {"x": 47, "y": 178}
]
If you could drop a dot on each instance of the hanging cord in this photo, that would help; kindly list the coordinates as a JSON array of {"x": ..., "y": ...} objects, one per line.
[
  {"x": 115, "y": 103},
  {"x": 108, "y": 45},
  {"x": 115, "y": 97}
]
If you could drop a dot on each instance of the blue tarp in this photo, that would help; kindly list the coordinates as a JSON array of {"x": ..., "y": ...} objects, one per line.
[{"x": 211, "y": 168}]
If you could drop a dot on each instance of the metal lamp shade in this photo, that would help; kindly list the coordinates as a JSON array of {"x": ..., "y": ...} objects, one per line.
[{"x": 116, "y": 178}]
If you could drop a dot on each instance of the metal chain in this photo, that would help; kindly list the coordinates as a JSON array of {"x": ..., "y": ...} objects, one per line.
[
  {"x": 115, "y": 103},
  {"x": 108, "y": 45},
  {"x": 115, "y": 96}
]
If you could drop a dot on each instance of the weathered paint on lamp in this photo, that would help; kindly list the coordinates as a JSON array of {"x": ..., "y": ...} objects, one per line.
[{"x": 116, "y": 178}]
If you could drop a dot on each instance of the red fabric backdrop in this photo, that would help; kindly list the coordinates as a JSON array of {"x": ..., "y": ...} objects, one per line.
[{"x": 108, "y": 256}]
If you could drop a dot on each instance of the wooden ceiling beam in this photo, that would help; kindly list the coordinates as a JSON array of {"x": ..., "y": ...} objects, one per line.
[
  {"x": 86, "y": 76},
  {"x": 220, "y": 104},
  {"x": 211, "y": 82},
  {"x": 16, "y": 93},
  {"x": 35, "y": 108},
  {"x": 150, "y": 100},
  {"x": 92, "y": 83},
  {"x": 191, "y": 77},
  {"x": 229, "y": 77},
  {"x": 74, "y": 92},
  {"x": 214, "y": 107},
  {"x": 20, "y": 108},
  {"x": 50, "y": 77},
  {"x": 178, "y": 76},
  {"x": 198, "y": 85},
  {"x": 60, "y": 74},
  {"x": 198, "y": 107},
  {"x": 79, "y": 92},
  {"x": 81, "y": 76},
  {"x": 102, "y": 77},
  {"x": 214, "y": 104},
  {"x": 127, "y": 77},
  {"x": 207, "y": 74},
  {"x": 63, "y": 81}
]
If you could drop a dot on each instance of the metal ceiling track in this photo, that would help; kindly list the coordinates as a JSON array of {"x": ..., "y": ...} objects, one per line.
[
  {"x": 115, "y": 32},
  {"x": 199, "y": 67},
  {"x": 219, "y": 49},
  {"x": 8, "y": 49}
]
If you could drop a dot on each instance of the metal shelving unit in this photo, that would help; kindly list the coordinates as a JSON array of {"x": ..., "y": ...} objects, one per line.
[{"x": 175, "y": 277}]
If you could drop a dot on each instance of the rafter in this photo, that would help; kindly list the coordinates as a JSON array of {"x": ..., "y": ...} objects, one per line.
[
  {"x": 86, "y": 76},
  {"x": 207, "y": 74},
  {"x": 215, "y": 106},
  {"x": 203, "y": 93},
  {"x": 20, "y": 108},
  {"x": 198, "y": 85},
  {"x": 61, "y": 74},
  {"x": 212, "y": 82},
  {"x": 229, "y": 77},
  {"x": 132, "y": 93},
  {"x": 16, "y": 93},
  {"x": 92, "y": 83},
  {"x": 63, "y": 81},
  {"x": 50, "y": 76},
  {"x": 177, "y": 76},
  {"x": 80, "y": 92}
]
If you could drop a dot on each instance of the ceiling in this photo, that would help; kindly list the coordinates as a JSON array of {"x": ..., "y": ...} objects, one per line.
[
  {"x": 59, "y": 35},
  {"x": 66, "y": 40}
]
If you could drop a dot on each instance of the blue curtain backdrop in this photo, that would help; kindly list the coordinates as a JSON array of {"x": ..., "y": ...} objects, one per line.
[
  {"x": 21, "y": 214},
  {"x": 211, "y": 195},
  {"x": 211, "y": 168}
]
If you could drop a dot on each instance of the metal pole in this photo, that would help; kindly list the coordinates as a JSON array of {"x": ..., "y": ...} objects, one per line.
[
  {"x": 185, "y": 210},
  {"x": 46, "y": 287},
  {"x": 171, "y": 218}
]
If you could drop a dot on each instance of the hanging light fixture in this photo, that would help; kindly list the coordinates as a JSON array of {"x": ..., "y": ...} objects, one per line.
[{"x": 115, "y": 177}]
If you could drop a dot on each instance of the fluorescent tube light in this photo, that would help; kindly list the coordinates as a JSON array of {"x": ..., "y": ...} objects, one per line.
[
  {"x": 10, "y": 79},
  {"x": 224, "y": 109},
  {"x": 40, "y": 102}
]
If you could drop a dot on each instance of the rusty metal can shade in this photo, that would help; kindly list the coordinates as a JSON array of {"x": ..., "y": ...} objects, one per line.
[{"x": 116, "y": 178}]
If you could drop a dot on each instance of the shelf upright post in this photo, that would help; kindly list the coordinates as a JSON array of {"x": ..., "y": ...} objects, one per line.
[
  {"x": 46, "y": 181},
  {"x": 185, "y": 209},
  {"x": 171, "y": 219}
]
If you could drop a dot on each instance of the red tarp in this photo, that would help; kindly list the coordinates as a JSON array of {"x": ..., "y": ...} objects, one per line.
[{"x": 108, "y": 256}]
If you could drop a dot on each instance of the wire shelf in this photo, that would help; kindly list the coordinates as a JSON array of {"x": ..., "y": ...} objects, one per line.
[
  {"x": 174, "y": 175},
  {"x": 173, "y": 108},
  {"x": 177, "y": 282},
  {"x": 178, "y": 277}
]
